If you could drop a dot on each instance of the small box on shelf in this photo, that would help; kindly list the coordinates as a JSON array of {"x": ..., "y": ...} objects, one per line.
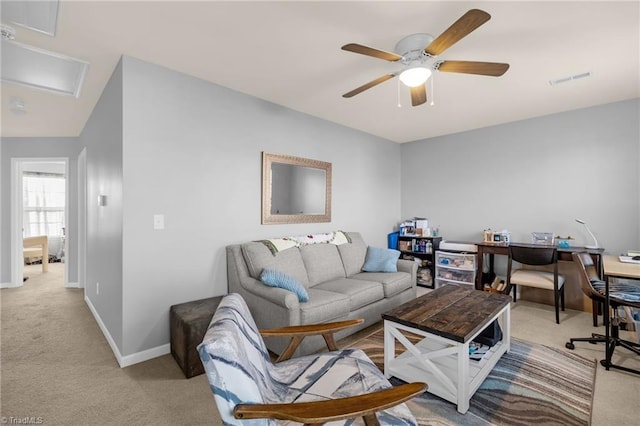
[
  {"x": 404, "y": 245},
  {"x": 424, "y": 277},
  {"x": 497, "y": 286}
]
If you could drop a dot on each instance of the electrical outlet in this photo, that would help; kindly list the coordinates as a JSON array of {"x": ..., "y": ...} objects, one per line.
[{"x": 97, "y": 288}]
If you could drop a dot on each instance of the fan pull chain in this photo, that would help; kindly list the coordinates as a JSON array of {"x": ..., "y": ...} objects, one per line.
[
  {"x": 399, "y": 104},
  {"x": 431, "y": 90}
]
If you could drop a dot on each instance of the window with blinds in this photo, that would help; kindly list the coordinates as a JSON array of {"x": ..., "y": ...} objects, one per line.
[{"x": 43, "y": 204}]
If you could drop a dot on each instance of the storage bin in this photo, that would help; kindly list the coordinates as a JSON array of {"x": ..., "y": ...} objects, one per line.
[
  {"x": 392, "y": 240},
  {"x": 636, "y": 323}
]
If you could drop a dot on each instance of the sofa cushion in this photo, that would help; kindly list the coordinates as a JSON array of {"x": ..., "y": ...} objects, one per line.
[
  {"x": 361, "y": 293},
  {"x": 380, "y": 259},
  {"x": 258, "y": 256},
  {"x": 353, "y": 254},
  {"x": 322, "y": 261},
  {"x": 323, "y": 306},
  {"x": 275, "y": 278},
  {"x": 392, "y": 282}
]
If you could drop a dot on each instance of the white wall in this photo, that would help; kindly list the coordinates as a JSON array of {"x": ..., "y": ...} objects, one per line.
[
  {"x": 192, "y": 152},
  {"x": 533, "y": 175},
  {"x": 102, "y": 137}
]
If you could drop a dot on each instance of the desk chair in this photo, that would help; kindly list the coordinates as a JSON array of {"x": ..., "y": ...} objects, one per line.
[
  {"x": 594, "y": 288},
  {"x": 536, "y": 256}
]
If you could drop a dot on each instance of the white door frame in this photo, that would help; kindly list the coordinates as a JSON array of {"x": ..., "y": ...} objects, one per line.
[
  {"x": 82, "y": 218},
  {"x": 17, "y": 259}
]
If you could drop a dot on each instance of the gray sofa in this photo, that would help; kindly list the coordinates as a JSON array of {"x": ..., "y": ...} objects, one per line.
[{"x": 332, "y": 274}]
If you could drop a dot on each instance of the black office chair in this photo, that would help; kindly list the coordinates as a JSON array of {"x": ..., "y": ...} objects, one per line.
[
  {"x": 594, "y": 288},
  {"x": 536, "y": 256}
]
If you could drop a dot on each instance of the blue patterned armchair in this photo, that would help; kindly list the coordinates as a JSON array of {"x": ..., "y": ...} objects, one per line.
[{"x": 340, "y": 386}]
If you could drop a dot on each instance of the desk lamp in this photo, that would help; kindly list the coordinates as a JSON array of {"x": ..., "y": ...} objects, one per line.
[{"x": 590, "y": 233}]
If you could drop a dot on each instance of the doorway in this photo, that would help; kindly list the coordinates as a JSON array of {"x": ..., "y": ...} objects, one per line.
[{"x": 40, "y": 211}]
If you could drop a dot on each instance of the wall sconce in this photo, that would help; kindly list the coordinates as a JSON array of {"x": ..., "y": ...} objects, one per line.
[{"x": 102, "y": 200}]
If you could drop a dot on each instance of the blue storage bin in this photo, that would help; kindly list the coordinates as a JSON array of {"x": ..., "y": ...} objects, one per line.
[{"x": 392, "y": 240}]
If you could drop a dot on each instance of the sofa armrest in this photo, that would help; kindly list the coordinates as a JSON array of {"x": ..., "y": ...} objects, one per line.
[
  {"x": 410, "y": 267},
  {"x": 278, "y": 296}
]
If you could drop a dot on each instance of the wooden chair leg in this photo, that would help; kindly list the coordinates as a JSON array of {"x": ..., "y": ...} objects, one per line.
[
  {"x": 290, "y": 349},
  {"x": 371, "y": 420},
  {"x": 330, "y": 341},
  {"x": 595, "y": 309}
]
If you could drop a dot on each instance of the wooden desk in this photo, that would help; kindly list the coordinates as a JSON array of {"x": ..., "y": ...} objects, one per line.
[
  {"x": 501, "y": 248},
  {"x": 575, "y": 298},
  {"x": 37, "y": 247},
  {"x": 613, "y": 268}
]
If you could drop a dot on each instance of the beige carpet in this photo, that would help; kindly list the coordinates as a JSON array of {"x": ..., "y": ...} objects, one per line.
[{"x": 56, "y": 364}]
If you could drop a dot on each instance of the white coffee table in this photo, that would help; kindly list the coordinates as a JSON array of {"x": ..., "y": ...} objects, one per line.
[{"x": 448, "y": 318}]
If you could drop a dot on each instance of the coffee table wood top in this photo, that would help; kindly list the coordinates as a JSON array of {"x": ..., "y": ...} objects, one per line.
[{"x": 450, "y": 311}]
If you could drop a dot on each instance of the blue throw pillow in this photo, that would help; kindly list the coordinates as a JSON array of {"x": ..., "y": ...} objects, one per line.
[
  {"x": 275, "y": 278},
  {"x": 381, "y": 260}
]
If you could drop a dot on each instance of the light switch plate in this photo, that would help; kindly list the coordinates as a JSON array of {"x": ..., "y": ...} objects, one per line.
[{"x": 158, "y": 221}]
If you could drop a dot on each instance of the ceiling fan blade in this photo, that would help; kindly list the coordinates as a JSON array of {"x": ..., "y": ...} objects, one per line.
[
  {"x": 459, "y": 29},
  {"x": 369, "y": 85},
  {"x": 418, "y": 95},
  {"x": 493, "y": 69},
  {"x": 370, "y": 51}
]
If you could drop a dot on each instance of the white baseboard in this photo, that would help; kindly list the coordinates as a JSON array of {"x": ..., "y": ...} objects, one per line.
[
  {"x": 12, "y": 285},
  {"x": 105, "y": 331},
  {"x": 145, "y": 355},
  {"x": 125, "y": 361}
]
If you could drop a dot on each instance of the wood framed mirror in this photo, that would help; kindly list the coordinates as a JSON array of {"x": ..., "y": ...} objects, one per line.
[{"x": 295, "y": 189}]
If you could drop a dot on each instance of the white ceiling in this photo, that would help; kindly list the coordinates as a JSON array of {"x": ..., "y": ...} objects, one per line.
[{"x": 289, "y": 53}]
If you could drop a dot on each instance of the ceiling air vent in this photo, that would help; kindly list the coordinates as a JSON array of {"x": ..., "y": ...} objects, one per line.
[{"x": 570, "y": 78}]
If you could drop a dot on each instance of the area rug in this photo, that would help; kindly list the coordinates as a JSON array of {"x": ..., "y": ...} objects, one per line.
[{"x": 532, "y": 384}]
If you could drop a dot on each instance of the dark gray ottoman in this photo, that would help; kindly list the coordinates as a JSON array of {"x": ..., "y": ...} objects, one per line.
[{"x": 188, "y": 324}]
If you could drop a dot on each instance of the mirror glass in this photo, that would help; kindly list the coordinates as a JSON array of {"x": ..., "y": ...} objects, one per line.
[{"x": 295, "y": 190}]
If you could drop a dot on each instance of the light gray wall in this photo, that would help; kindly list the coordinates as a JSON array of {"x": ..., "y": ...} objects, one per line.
[
  {"x": 192, "y": 152},
  {"x": 102, "y": 137},
  {"x": 533, "y": 175},
  {"x": 58, "y": 147}
]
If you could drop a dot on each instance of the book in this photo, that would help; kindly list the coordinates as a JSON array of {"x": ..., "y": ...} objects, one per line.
[{"x": 477, "y": 351}]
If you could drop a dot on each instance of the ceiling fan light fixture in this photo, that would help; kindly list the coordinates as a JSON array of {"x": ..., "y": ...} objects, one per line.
[{"x": 414, "y": 77}]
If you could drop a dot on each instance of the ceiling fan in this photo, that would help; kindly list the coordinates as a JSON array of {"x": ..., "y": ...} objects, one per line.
[{"x": 417, "y": 51}]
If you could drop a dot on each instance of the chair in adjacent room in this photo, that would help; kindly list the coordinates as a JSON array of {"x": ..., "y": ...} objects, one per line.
[
  {"x": 339, "y": 385},
  {"x": 536, "y": 256},
  {"x": 620, "y": 294}
]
